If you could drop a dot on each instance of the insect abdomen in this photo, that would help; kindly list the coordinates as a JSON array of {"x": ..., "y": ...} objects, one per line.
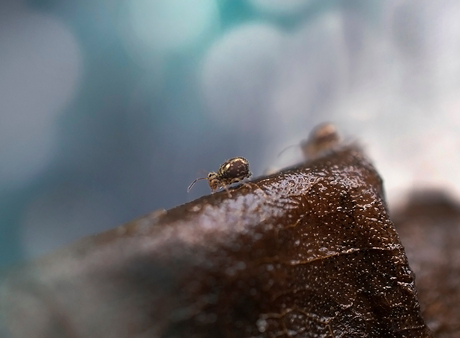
[{"x": 236, "y": 168}]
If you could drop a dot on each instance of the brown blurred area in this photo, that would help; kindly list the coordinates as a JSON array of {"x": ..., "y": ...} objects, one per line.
[{"x": 429, "y": 227}]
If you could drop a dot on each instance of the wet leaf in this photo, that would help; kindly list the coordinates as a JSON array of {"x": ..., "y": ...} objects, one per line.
[{"x": 307, "y": 252}]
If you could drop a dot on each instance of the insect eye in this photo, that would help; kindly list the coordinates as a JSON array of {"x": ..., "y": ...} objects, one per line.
[{"x": 210, "y": 175}]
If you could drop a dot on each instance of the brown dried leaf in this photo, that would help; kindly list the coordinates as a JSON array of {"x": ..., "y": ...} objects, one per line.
[{"x": 307, "y": 252}]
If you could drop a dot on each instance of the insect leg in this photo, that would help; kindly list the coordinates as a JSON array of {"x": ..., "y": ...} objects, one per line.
[{"x": 228, "y": 191}]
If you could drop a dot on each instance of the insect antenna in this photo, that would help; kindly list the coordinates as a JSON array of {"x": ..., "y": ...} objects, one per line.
[
  {"x": 288, "y": 147},
  {"x": 193, "y": 183}
]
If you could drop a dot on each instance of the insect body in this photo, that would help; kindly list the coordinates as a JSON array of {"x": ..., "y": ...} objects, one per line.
[
  {"x": 231, "y": 171},
  {"x": 323, "y": 138}
]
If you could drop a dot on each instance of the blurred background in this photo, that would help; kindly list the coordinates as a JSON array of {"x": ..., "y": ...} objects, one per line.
[{"x": 110, "y": 108}]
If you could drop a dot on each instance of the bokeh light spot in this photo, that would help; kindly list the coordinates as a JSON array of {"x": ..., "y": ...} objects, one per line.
[
  {"x": 40, "y": 66},
  {"x": 312, "y": 71},
  {"x": 167, "y": 25},
  {"x": 284, "y": 7},
  {"x": 238, "y": 74}
]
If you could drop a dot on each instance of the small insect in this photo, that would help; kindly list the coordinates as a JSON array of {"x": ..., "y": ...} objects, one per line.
[
  {"x": 231, "y": 171},
  {"x": 323, "y": 138}
]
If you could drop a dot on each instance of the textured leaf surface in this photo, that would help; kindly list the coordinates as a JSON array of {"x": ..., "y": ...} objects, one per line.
[{"x": 307, "y": 252}]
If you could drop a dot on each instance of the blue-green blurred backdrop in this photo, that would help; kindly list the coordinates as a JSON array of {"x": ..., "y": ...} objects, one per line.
[{"x": 110, "y": 108}]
